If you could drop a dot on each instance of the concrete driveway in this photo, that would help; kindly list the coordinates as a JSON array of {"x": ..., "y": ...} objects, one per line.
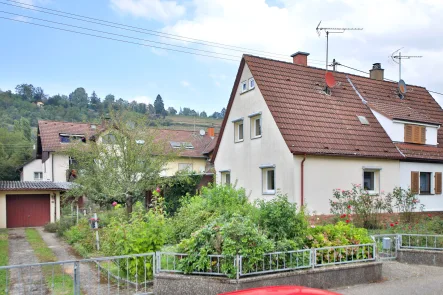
[{"x": 400, "y": 278}]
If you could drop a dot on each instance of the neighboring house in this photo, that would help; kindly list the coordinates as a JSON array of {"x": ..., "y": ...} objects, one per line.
[
  {"x": 194, "y": 150},
  {"x": 284, "y": 130},
  {"x": 51, "y": 137},
  {"x": 26, "y": 204}
]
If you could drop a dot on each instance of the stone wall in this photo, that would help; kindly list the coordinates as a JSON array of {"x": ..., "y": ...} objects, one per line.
[
  {"x": 322, "y": 278},
  {"x": 426, "y": 257}
]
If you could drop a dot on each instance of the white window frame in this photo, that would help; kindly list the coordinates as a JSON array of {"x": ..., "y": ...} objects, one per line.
[
  {"x": 188, "y": 167},
  {"x": 244, "y": 86},
  {"x": 264, "y": 172},
  {"x": 225, "y": 176},
  {"x": 237, "y": 125},
  {"x": 251, "y": 81},
  {"x": 254, "y": 120},
  {"x": 38, "y": 178},
  {"x": 377, "y": 173}
]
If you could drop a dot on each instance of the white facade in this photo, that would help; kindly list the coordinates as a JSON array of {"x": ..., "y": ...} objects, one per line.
[
  {"x": 53, "y": 169},
  {"x": 396, "y": 129},
  {"x": 244, "y": 158},
  {"x": 431, "y": 201}
]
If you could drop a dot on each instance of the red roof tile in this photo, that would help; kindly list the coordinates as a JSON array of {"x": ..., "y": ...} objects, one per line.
[{"x": 201, "y": 144}]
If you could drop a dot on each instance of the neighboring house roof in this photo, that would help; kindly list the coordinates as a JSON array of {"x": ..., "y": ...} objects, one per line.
[
  {"x": 49, "y": 132},
  {"x": 34, "y": 185},
  {"x": 310, "y": 121},
  {"x": 201, "y": 144}
]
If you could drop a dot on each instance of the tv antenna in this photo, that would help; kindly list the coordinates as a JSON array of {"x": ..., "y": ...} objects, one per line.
[
  {"x": 399, "y": 57},
  {"x": 332, "y": 31}
]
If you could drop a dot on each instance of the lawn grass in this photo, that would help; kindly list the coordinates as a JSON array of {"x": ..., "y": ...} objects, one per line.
[
  {"x": 3, "y": 259},
  {"x": 56, "y": 280}
]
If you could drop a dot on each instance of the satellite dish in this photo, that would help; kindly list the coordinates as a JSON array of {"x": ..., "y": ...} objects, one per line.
[
  {"x": 330, "y": 80},
  {"x": 202, "y": 132},
  {"x": 402, "y": 87}
]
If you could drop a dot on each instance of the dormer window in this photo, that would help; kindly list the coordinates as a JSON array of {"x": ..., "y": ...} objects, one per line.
[
  {"x": 67, "y": 138},
  {"x": 251, "y": 83},
  {"x": 244, "y": 86},
  {"x": 415, "y": 134}
]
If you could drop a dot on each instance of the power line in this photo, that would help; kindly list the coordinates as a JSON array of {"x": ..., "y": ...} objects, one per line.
[
  {"x": 435, "y": 92},
  {"x": 114, "y": 39},
  {"x": 140, "y": 30},
  {"x": 119, "y": 35}
]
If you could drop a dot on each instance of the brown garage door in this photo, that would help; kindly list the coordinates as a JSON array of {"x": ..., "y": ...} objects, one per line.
[{"x": 27, "y": 210}]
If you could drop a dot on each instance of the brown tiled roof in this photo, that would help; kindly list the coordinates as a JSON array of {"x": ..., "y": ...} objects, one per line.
[
  {"x": 312, "y": 122},
  {"x": 49, "y": 132},
  {"x": 400, "y": 110},
  {"x": 34, "y": 185},
  {"x": 200, "y": 143},
  {"x": 418, "y": 99}
]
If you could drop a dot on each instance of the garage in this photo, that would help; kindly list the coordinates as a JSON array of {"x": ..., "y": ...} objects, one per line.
[
  {"x": 27, "y": 210},
  {"x": 30, "y": 203}
]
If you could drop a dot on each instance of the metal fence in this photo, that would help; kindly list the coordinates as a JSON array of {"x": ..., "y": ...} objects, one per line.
[
  {"x": 344, "y": 254},
  {"x": 423, "y": 242},
  {"x": 387, "y": 245},
  {"x": 130, "y": 274}
]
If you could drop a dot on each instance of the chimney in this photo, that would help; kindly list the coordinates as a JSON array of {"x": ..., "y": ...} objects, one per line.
[
  {"x": 377, "y": 73},
  {"x": 300, "y": 58},
  {"x": 211, "y": 132}
]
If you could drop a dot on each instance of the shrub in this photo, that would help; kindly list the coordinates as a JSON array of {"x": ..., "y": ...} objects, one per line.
[
  {"x": 406, "y": 203},
  {"x": 65, "y": 223},
  {"x": 213, "y": 202},
  {"x": 143, "y": 232},
  {"x": 237, "y": 235},
  {"x": 364, "y": 206},
  {"x": 81, "y": 234},
  {"x": 178, "y": 187},
  {"x": 281, "y": 220},
  {"x": 52, "y": 227}
]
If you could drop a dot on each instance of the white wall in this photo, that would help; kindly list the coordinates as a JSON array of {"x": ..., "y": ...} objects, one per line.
[
  {"x": 60, "y": 163},
  {"x": 324, "y": 174},
  {"x": 30, "y": 168},
  {"x": 432, "y": 202},
  {"x": 245, "y": 158},
  {"x": 396, "y": 130}
]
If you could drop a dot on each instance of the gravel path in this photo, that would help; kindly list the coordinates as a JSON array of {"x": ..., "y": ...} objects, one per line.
[
  {"x": 27, "y": 280},
  {"x": 401, "y": 278}
]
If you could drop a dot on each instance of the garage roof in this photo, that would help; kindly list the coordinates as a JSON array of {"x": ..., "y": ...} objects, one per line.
[{"x": 34, "y": 185}]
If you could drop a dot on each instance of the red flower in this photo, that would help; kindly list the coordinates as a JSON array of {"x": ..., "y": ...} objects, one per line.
[
  {"x": 349, "y": 206},
  {"x": 158, "y": 190},
  {"x": 114, "y": 203},
  {"x": 347, "y": 220},
  {"x": 396, "y": 222},
  {"x": 343, "y": 216},
  {"x": 392, "y": 224},
  {"x": 429, "y": 215}
]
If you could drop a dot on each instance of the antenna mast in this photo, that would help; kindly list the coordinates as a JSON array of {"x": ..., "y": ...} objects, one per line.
[
  {"x": 332, "y": 31},
  {"x": 399, "y": 57}
]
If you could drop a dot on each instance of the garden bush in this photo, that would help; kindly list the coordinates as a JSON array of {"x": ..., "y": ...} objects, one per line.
[
  {"x": 282, "y": 220},
  {"x": 52, "y": 227},
  {"x": 406, "y": 203},
  {"x": 200, "y": 210},
  {"x": 236, "y": 235},
  {"x": 81, "y": 234}
]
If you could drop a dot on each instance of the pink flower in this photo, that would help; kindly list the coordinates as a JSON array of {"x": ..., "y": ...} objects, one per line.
[
  {"x": 158, "y": 190},
  {"x": 429, "y": 215},
  {"x": 114, "y": 203}
]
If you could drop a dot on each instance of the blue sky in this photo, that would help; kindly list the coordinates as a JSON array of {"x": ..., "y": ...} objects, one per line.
[{"x": 61, "y": 61}]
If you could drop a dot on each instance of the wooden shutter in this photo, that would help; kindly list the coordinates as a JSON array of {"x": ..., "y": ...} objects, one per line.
[
  {"x": 415, "y": 134},
  {"x": 437, "y": 183},
  {"x": 415, "y": 182}
]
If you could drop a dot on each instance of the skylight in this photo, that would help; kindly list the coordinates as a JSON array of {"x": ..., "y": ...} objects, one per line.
[
  {"x": 363, "y": 120},
  {"x": 178, "y": 145}
]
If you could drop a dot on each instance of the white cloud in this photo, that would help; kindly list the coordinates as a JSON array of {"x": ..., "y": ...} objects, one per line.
[
  {"x": 218, "y": 79},
  {"x": 280, "y": 31},
  {"x": 159, "y": 52},
  {"x": 22, "y": 18},
  {"x": 141, "y": 99},
  {"x": 150, "y": 9},
  {"x": 185, "y": 84}
]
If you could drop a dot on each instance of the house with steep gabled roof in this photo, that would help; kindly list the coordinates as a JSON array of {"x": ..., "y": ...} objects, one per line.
[{"x": 286, "y": 131}]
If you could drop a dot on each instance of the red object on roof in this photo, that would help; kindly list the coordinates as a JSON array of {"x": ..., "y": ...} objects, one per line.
[
  {"x": 330, "y": 80},
  {"x": 281, "y": 290}
]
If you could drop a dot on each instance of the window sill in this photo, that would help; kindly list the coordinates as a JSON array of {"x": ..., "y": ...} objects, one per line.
[
  {"x": 426, "y": 194},
  {"x": 256, "y": 137},
  {"x": 268, "y": 193},
  {"x": 249, "y": 90},
  {"x": 238, "y": 141}
]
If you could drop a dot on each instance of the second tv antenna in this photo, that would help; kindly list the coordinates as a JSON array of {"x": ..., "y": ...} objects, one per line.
[
  {"x": 332, "y": 31},
  {"x": 399, "y": 57}
]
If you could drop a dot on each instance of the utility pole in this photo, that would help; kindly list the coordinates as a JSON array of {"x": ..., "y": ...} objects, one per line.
[{"x": 332, "y": 31}]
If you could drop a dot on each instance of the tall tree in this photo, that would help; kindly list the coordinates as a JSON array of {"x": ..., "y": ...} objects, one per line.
[
  {"x": 94, "y": 101},
  {"x": 108, "y": 102},
  {"x": 39, "y": 95},
  {"x": 15, "y": 150},
  {"x": 223, "y": 113},
  {"x": 26, "y": 91},
  {"x": 123, "y": 164},
  {"x": 203, "y": 114},
  {"x": 159, "y": 106},
  {"x": 79, "y": 98},
  {"x": 24, "y": 127}
]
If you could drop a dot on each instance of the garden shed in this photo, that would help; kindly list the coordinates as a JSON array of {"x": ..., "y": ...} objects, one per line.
[{"x": 30, "y": 203}]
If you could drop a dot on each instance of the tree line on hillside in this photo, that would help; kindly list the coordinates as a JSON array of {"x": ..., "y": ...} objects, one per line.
[{"x": 34, "y": 104}]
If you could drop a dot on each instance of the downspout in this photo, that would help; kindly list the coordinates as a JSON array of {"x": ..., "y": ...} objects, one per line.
[
  {"x": 302, "y": 180},
  {"x": 52, "y": 169}
]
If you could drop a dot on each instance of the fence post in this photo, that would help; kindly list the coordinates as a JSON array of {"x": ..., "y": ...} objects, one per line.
[
  {"x": 238, "y": 266},
  {"x": 76, "y": 278},
  {"x": 313, "y": 257}
]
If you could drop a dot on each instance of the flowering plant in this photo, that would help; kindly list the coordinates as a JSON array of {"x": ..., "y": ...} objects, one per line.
[{"x": 406, "y": 202}]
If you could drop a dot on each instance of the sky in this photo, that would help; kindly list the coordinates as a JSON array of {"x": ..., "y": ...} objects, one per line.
[{"x": 60, "y": 61}]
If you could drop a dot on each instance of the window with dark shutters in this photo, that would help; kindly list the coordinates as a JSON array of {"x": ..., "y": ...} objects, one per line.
[
  {"x": 415, "y": 182},
  {"x": 438, "y": 183}
]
